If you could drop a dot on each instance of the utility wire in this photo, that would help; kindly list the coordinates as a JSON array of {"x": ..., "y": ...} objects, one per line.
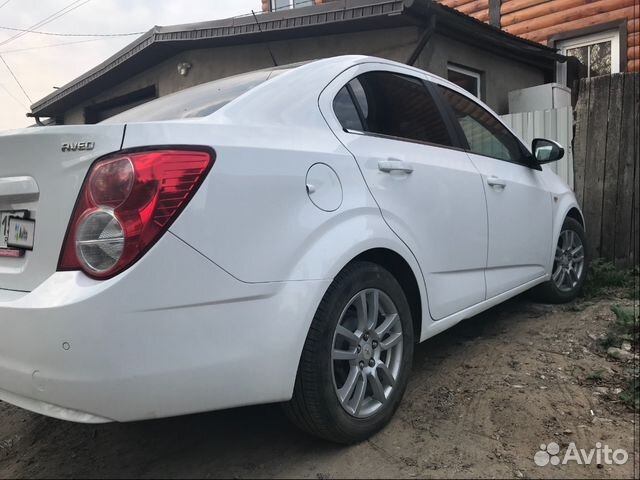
[
  {"x": 3, "y": 4},
  {"x": 13, "y": 96},
  {"x": 53, "y": 34},
  {"x": 16, "y": 79},
  {"x": 54, "y": 16},
  {"x": 51, "y": 45}
]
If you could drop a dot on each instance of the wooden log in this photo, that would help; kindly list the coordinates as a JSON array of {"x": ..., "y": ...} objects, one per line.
[
  {"x": 633, "y": 39},
  {"x": 558, "y": 19},
  {"x": 626, "y": 174},
  {"x": 611, "y": 160},
  {"x": 473, "y": 7},
  {"x": 633, "y": 25},
  {"x": 581, "y": 140},
  {"x": 614, "y": 15},
  {"x": 633, "y": 53},
  {"x": 482, "y": 16},
  {"x": 594, "y": 164},
  {"x": 633, "y": 66},
  {"x": 537, "y": 11},
  {"x": 455, "y": 3},
  {"x": 509, "y": 6}
]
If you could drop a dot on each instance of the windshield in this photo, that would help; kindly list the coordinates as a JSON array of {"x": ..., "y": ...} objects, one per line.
[{"x": 198, "y": 101}]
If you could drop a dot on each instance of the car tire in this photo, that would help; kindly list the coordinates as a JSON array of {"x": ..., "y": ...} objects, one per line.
[
  {"x": 570, "y": 266},
  {"x": 351, "y": 378}
]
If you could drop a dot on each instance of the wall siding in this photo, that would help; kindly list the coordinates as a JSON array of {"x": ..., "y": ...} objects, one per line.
[{"x": 538, "y": 20}]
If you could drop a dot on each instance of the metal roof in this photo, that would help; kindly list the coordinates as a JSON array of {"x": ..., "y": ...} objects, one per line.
[{"x": 339, "y": 16}]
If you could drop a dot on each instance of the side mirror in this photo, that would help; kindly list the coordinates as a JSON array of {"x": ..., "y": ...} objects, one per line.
[{"x": 546, "y": 151}]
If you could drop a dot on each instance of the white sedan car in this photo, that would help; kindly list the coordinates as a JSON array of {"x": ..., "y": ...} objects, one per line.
[{"x": 285, "y": 235}]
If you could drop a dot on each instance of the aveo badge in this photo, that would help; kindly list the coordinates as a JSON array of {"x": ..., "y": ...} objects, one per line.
[{"x": 78, "y": 146}]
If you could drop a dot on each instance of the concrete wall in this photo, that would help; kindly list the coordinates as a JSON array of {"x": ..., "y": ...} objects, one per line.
[{"x": 500, "y": 75}]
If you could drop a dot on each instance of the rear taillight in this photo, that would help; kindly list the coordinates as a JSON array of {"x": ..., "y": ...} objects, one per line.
[{"x": 127, "y": 202}]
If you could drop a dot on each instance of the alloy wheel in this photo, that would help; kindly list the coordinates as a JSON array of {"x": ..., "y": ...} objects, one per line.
[
  {"x": 569, "y": 261},
  {"x": 366, "y": 354}
]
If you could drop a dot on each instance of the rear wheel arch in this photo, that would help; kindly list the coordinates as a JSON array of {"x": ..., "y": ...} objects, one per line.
[{"x": 395, "y": 264}]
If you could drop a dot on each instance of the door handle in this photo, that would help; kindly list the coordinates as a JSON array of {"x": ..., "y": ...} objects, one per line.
[
  {"x": 496, "y": 182},
  {"x": 392, "y": 165}
]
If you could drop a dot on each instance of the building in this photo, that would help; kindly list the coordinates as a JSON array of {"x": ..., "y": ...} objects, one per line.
[
  {"x": 484, "y": 59},
  {"x": 603, "y": 35}
]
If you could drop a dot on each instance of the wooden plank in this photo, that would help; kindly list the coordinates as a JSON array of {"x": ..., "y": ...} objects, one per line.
[
  {"x": 509, "y": 6},
  {"x": 626, "y": 174},
  {"x": 635, "y": 239},
  {"x": 536, "y": 11},
  {"x": 563, "y": 16},
  {"x": 594, "y": 163},
  {"x": 545, "y": 33},
  {"x": 581, "y": 140},
  {"x": 611, "y": 158}
]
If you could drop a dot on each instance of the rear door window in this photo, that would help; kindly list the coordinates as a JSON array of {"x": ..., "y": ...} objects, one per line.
[
  {"x": 399, "y": 106},
  {"x": 346, "y": 110}
]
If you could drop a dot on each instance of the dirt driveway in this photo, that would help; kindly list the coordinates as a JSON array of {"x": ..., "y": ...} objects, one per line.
[{"x": 482, "y": 398}]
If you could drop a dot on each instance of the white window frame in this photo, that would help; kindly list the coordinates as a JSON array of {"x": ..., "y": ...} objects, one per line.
[
  {"x": 470, "y": 73},
  {"x": 292, "y": 4},
  {"x": 583, "y": 41}
]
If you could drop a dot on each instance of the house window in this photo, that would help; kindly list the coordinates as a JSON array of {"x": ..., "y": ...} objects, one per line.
[
  {"x": 468, "y": 79},
  {"x": 597, "y": 54},
  {"x": 277, "y": 5}
]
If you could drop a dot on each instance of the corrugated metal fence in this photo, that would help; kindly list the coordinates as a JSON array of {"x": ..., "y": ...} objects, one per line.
[
  {"x": 555, "y": 125},
  {"x": 606, "y": 164}
]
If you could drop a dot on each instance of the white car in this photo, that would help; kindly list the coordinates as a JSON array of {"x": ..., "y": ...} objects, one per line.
[{"x": 285, "y": 235}]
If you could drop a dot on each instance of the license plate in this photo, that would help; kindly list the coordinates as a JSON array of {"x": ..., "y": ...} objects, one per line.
[{"x": 16, "y": 230}]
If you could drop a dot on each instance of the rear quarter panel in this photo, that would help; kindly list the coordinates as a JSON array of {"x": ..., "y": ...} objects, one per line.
[{"x": 253, "y": 216}]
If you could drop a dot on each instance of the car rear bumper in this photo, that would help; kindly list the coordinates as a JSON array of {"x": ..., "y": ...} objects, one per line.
[{"x": 173, "y": 335}]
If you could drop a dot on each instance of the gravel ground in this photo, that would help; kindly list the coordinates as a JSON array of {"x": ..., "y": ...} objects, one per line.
[{"x": 482, "y": 398}]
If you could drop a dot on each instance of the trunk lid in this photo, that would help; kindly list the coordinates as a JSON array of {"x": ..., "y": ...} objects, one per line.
[{"x": 41, "y": 172}]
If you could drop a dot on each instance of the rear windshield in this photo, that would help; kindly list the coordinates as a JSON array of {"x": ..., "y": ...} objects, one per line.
[{"x": 198, "y": 101}]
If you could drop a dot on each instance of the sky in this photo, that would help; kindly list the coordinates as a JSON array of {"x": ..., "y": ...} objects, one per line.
[{"x": 41, "y": 63}]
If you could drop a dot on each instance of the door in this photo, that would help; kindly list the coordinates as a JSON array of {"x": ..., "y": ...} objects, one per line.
[
  {"x": 429, "y": 192},
  {"x": 519, "y": 206}
]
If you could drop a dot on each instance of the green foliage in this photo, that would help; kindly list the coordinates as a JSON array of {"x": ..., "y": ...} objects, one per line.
[
  {"x": 596, "y": 375},
  {"x": 623, "y": 328},
  {"x": 630, "y": 395},
  {"x": 603, "y": 277}
]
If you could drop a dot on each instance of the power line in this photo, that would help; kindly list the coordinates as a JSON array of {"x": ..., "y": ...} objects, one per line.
[
  {"x": 3, "y": 4},
  {"x": 52, "y": 45},
  {"x": 16, "y": 79},
  {"x": 53, "y": 34},
  {"x": 54, "y": 16},
  {"x": 13, "y": 96}
]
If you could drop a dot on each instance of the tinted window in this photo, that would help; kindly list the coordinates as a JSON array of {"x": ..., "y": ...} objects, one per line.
[
  {"x": 484, "y": 133},
  {"x": 198, "y": 101},
  {"x": 399, "y": 106},
  {"x": 346, "y": 110}
]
